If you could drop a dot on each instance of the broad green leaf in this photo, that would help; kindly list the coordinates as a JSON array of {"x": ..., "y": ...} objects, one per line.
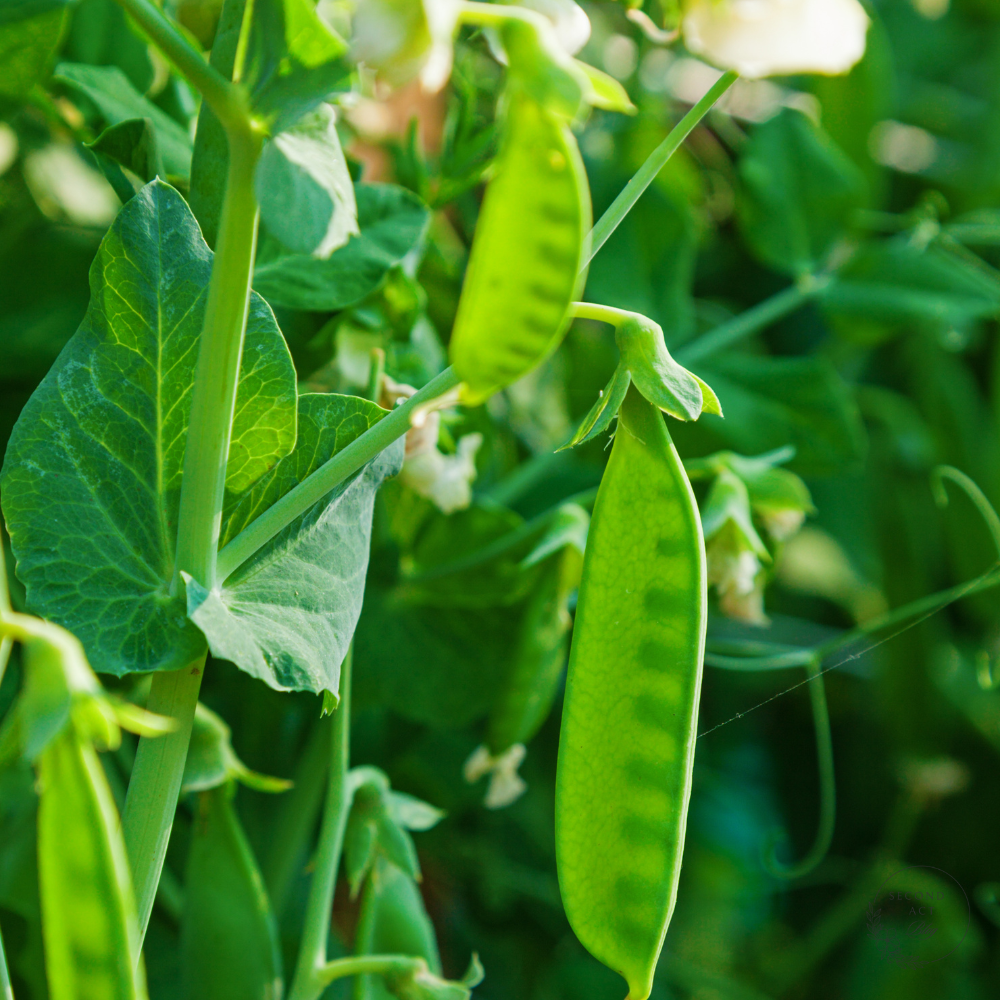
[
  {"x": 773, "y": 402},
  {"x": 30, "y": 35},
  {"x": 392, "y": 223},
  {"x": 229, "y": 942},
  {"x": 91, "y": 479},
  {"x": 211, "y": 760},
  {"x": 894, "y": 282},
  {"x": 118, "y": 101},
  {"x": 798, "y": 190},
  {"x": 304, "y": 188},
  {"x": 288, "y": 615},
  {"x": 128, "y": 156},
  {"x": 293, "y": 61},
  {"x": 88, "y": 912}
]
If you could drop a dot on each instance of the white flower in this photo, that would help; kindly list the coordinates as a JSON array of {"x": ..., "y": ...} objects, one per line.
[
  {"x": 777, "y": 37},
  {"x": 446, "y": 480},
  {"x": 729, "y": 570},
  {"x": 782, "y": 522},
  {"x": 506, "y": 785}
]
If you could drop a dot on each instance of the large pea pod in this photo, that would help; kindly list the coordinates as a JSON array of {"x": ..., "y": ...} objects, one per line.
[
  {"x": 628, "y": 734},
  {"x": 88, "y": 914},
  {"x": 229, "y": 941},
  {"x": 525, "y": 266}
]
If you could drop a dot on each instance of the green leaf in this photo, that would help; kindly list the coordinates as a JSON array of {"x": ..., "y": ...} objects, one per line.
[
  {"x": 118, "y": 101},
  {"x": 88, "y": 912},
  {"x": 292, "y": 62},
  {"x": 798, "y": 190},
  {"x": 896, "y": 282},
  {"x": 229, "y": 942},
  {"x": 30, "y": 35},
  {"x": 128, "y": 156},
  {"x": 288, "y": 615},
  {"x": 91, "y": 479},
  {"x": 304, "y": 188},
  {"x": 212, "y": 761},
  {"x": 392, "y": 223},
  {"x": 604, "y": 91},
  {"x": 600, "y": 415},
  {"x": 773, "y": 402}
]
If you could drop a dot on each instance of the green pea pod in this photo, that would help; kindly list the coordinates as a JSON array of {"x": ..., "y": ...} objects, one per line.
[
  {"x": 88, "y": 913},
  {"x": 629, "y": 722},
  {"x": 229, "y": 943},
  {"x": 527, "y": 256},
  {"x": 538, "y": 661},
  {"x": 393, "y": 921}
]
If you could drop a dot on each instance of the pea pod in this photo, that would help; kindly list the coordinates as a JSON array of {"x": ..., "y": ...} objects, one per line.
[
  {"x": 629, "y": 721},
  {"x": 88, "y": 914},
  {"x": 229, "y": 942},
  {"x": 525, "y": 266}
]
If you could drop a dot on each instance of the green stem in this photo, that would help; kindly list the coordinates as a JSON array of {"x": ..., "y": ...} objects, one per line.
[
  {"x": 330, "y": 475},
  {"x": 308, "y": 982},
  {"x": 757, "y": 318},
  {"x": 221, "y": 96},
  {"x": 155, "y": 784},
  {"x": 974, "y": 493},
  {"x": 358, "y": 965},
  {"x": 602, "y": 314},
  {"x": 217, "y": 374},
  {"x": 6, "y": 991},
  {"x": 827, "y": 785},
  {"x": 655, "y": 162}
]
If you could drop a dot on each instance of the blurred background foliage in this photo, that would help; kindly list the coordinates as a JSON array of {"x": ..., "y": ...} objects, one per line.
[{"x": 885, "y": 178}]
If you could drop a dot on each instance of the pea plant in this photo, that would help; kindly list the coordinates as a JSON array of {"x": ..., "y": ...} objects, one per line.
[{"x": 251, "y": 467}]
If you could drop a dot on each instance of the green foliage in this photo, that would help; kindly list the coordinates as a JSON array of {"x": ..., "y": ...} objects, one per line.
[
  {"x": 627, "y": 741},
  {"x": 229, "y": 942},
  {"x": 30, "y": 33}
]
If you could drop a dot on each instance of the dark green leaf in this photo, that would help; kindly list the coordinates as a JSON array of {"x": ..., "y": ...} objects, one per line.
[
  {"x": 91, "y": 479},
  {"x": 30, "y": 33},
  {"x": 288, "y": 615},
  {"x": 304, "y": 188},
  {"x": 128, "y": 156},
  {"x": 229, "y": 942},
  {"x": 392, "y": 223},
  {"x": 773, "y": 402},
  {"x": 798, "y": 189},
  {"x": 118, "y": 101}
]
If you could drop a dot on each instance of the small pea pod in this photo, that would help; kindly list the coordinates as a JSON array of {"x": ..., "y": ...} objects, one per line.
[
  {"x": 527, "y": 256},
  {"x": 629, "y": 721},
  {"x": 393, "y": 920},
  {"x": 229, "y": 942},
  {"x": 88, "y": 914}
]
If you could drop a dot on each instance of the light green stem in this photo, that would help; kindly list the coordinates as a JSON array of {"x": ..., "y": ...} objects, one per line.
[
  {"x": 827, "y": 785},
  {"x": 159, "y": 766},
  {"x": 358, "y": 965},
  {"x": 225, "y": 99},
  {"x": 308, "y": 982},
  {"x": 756, "y": 318},
  {"x": 155, "y": 784},
  {"x": 330, "y": 475},
  {"x": 655, "y": 162},
  {"x": 6, "y": 990},
  {"x": 603, "y": 314}
]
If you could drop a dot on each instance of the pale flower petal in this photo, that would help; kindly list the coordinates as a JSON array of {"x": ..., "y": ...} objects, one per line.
[
  {"x": 506, "y": 785},
  {"x": 777, "y": 37},
  {"x": 446, "y": 480}
]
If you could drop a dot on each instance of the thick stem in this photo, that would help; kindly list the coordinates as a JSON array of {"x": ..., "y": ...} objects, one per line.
[
  {"x": 602, "y": 314},
  {"x": 756, "y": 318},
  {"x": 221, "y": 96},
  {"x": 308, "y": 982},
  {"x": 357, "y": 965},
  {"x": 328, "y": 476},
  {"x": 655, "y": 162},
  {"x": 217, "y": 373},
  {"x": 155, "y": 784}
]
